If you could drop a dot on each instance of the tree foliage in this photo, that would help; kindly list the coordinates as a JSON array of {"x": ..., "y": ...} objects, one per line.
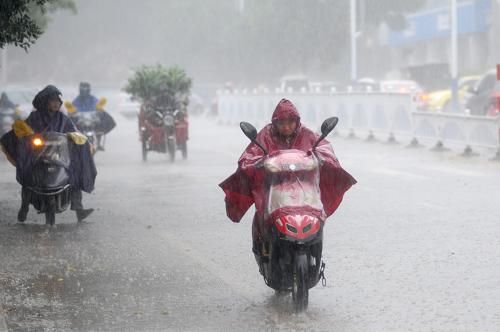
[
  {"x": 152, "y": 82},
  {"x": 22, "y": 22}
]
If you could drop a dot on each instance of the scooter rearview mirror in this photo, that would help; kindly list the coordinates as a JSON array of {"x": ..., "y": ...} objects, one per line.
[
  {"x": 248, "y": 130},
  {"x": 326, "y": 128},
  {"x": 251, "y": 133},
  {"x": 328, "y": 125}
]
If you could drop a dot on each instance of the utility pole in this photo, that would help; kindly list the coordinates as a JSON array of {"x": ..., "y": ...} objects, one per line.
[
  {"x": 454, "y": 56},
  {"x": 354, "y": 68},
  {"x": 240, "y": 5}
]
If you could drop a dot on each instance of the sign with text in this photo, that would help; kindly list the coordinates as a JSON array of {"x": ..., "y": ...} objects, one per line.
[{"x": 473, "y": 16}]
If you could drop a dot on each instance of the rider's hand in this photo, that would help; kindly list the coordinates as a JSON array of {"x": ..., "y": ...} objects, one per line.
[
  {"x": 318, "y": 157},
  {"x": 77, "y": 137},
  {"x": 259, "y": 163}
]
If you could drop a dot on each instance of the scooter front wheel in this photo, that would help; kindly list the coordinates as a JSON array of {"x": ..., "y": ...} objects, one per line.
[
  {"x": 50, "y": 218},
  {"x": 50, "y": 213},
  {"x": 300, "y": 287}
]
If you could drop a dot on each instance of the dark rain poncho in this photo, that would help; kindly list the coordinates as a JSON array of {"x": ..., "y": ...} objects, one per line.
[
  {"x": 107, "y": 123},
  {"x": 82, "y": 168},
  {"x": 245, "y": 187},
  {"x": 90, "y": 104}
]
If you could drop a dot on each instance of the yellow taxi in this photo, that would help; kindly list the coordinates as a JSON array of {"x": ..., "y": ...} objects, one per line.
[{"x": 441, "y": 100}]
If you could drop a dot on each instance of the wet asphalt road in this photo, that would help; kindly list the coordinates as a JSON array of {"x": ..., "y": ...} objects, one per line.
[{"x": 414, "y": 246}]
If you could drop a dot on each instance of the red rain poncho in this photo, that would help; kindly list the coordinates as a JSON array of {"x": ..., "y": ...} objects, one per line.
[{"x": 245, "y": 187}]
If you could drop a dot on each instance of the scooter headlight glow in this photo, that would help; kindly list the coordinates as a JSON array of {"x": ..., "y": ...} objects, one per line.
[
  {"x": 38, "y": 142},
  {"x": 168, "y": 120}
]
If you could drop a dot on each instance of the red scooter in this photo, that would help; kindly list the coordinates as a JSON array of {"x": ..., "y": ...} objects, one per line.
[{"x": 290, "y": 256}]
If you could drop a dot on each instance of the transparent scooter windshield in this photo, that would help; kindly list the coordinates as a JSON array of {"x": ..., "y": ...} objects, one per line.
[
  {"x": 52, "y": 148},
  {"x": 87, "y": 118},
  {"x": 292, "y": 177}
]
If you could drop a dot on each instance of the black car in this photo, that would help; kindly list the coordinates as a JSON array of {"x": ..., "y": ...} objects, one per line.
[{"x": 483, "y": 94}]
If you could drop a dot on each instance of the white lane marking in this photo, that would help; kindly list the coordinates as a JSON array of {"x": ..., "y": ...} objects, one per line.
[{"x": 400, "y": 174}]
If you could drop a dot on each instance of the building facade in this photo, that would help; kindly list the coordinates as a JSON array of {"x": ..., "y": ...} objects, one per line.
[{"x": 423, "y": 50}]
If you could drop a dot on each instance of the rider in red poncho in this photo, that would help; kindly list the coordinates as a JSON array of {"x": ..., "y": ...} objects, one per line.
[{"x": 245, "y": 187}]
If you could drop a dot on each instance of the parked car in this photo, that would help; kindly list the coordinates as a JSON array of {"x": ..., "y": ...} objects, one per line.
[
  {"x": 483, "y": 96},
  {"x": 366, "y": 84},
  {"x": 125, "y": 104},
  {"x": 196, "y": 105},
  {"x": 440, "y": 100},
  {"x": 325, "y": 86},
  {"x": 400, "y": 86},
  {"x": 22, "y": 97},
  {"x": 294, "y": 83},
  {"x": 410, "y": 87}
]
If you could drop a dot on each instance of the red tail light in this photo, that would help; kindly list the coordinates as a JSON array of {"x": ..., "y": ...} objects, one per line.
[{"x": 424, "y": 97}]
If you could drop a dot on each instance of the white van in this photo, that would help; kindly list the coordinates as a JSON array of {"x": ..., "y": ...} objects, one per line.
[{"x": 294, "y": 83}]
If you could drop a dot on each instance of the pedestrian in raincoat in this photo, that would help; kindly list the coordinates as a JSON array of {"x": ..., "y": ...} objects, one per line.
[
  {"x": 245, "y": 187},
  {"x": 47, "y": 117}
]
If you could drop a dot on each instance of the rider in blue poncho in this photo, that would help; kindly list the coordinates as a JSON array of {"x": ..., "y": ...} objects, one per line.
[{"x": 85, "y": 102}]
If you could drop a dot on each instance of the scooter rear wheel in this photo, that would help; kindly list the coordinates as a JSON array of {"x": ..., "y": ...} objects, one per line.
[
  {"x": 171, "y": 150},
  {"x": 184, "y": 150},
  {"x": 300, "y": 287}
]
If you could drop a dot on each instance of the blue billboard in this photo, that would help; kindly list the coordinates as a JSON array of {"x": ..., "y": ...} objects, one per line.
[{"x": 473, "y": 16}]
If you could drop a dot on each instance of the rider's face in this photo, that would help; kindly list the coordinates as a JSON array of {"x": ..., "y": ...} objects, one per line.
[
  {"x": 286, "y": 127},
  {"x": 54, "y": 104},
  {"x": 85, "y": 91}
]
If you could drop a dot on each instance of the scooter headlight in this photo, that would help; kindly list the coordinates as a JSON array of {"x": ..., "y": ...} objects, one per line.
[
  {"x": 38, "y": 142},
  {"x": 168, "y": 120}
]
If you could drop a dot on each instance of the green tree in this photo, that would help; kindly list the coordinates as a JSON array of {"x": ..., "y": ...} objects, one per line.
[
  {"x": 146, "y": 82},
  {"x": 23, "y": 21},
  {"x": 149, "y": 83}
]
